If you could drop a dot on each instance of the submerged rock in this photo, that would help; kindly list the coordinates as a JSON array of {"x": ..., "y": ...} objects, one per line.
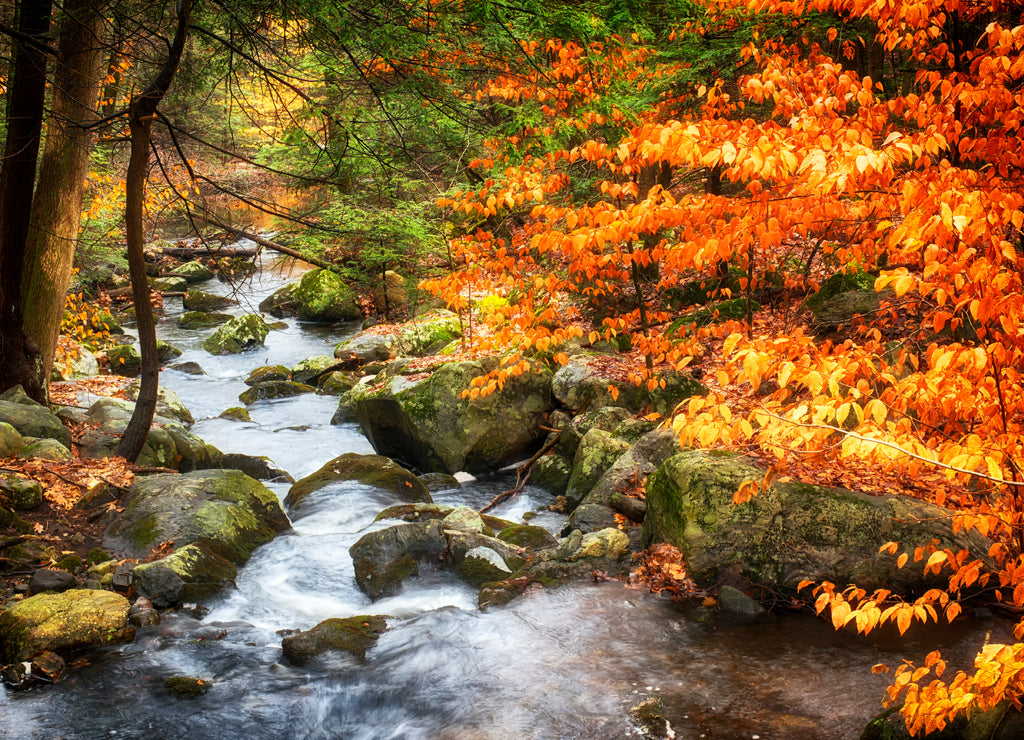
[
  {"x": 373, "y": 470},
  {"x": 353, "y": 635}
]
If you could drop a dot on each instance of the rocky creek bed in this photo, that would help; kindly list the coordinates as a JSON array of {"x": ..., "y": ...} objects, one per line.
[{"x": 329, "y": 592}]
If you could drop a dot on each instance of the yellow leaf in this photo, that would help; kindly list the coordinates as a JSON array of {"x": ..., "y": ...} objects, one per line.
[
  {"x": 902, "y": 560},
  {"x": 935, "y": 560}
]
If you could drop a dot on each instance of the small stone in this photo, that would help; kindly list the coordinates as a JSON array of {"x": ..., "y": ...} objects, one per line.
[
  {"x": 142, "y": 613},
  {"x": 48, "y": 579},
  {"x": 734, "y": 601},
  {"x": 48, "y": 667}
]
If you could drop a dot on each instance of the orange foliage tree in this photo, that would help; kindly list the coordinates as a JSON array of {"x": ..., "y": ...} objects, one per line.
[{"x": 914, "y": 176}]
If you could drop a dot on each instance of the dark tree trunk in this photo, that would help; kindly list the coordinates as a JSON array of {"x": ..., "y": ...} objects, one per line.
[
  {"x": 141, "y": 114},
  {"x": 19, "y": 355},
  {"x": 57, "y": 205}
]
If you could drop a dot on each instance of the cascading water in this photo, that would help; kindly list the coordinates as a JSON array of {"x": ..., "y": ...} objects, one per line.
[{"x": 565, "y": 663}]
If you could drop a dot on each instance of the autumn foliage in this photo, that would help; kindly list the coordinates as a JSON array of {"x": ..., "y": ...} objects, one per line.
[{"x": 798, "y": 165}]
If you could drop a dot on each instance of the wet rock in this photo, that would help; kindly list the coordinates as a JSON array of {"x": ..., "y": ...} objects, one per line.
[
  {"x": 384, "y": 559},
  {"x": 202, "y": 319},
  {"x": 189, "y": 368},
  {"x": 419, "y": 512},
  {"x": 50, "y": 579},
  {"x": 733, "y": 601},
  {"x": 168, "y": 284},
  {"x": 166, "y": 352},
  {"x": 528, "y": 536},
  {"x": 259, "y": 467},
  {"x": 274, "y": 389},
  {"x": 186, "y": 687},
  {"x": 142, "y": 613},
  {"x": 633, "y": 509},
  {"x": 426, "y": 422},
  {"x": 236, "y": 413},
  {"x": 373, "y": 470},
  {"x": 482, "y": 565},
  {"x": 308, "y": 369},
  {"x": 367, "y": 347},
  {"x": 268, "y": 373},
  {"x": 551, "y": 472},
  {"x": 440, "y": 482},
  {"x": 353, "y": 635},
  {"x": 193, "y": 272},
  {"x": 48, "y": 667},
  {"x": 237, "y": 335},
  {"x": 650, "y": 720},
  {"x": 791, "y": 532},
  {"x": 197, "y": 300},
  {"x": 44, "y": 449},
  {"x": 337, "y": 383},
  {"x": 191, "y": 573},
  {"x": 464, "y": 519},
  {"x": 76, "y": 619},
  {"x": 598, "y": 450}
]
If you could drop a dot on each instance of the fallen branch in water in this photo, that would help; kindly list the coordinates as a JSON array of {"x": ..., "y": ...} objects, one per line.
[{"x": 521, "y": 479}]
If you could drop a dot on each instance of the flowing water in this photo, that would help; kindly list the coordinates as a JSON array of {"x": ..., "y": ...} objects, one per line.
[{"x": 564, "y": 663}]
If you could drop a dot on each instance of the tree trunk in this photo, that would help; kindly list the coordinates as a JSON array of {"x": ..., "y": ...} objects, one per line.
[
  {"x": 57, "y": 205},
  {"x": 19, "y": 355},
  {"x": 141, "y": 113}
]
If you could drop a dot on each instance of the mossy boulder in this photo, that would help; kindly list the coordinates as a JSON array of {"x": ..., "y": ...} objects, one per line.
[
  {"x": 426, "y": 423},
  {"x": 268, "y": 373},
  {"x": 224, "y": 510},
  {"x": 421, "y": 512},
  {"x": 274, "y": 389},
  {"x": 482, "y": 565},
  {"x": 584, "y": 382},
  {"x": 259, "y": 467},
  {"x": 597, "y": 451},
  {"x": 73, "y": 620},
  {"x": 354, "y": 635},
  {"x": 202, "y": 319},
  {"x": 428, "y": 334},
  {"x": 236, "y": 413},
  {"x": 237, "y": 335},
  {"x": 369, "y": 346},
  {"x": 320, "y": 296},
  {"x": 44, "y": 449},
  {"x": 10, "y": 440},
  {"x": 33, "y": 420},
  {"x": 337, "y": 383},
  {"x": 169, "y": 284},
  {"x": 528, "y": 536},
  {"x": 372, "y": 470},
  {"x": 23, "y": 494},
  {"x": 192, "y": 272},
  {"x": 168, "y": 403},
  {"x": 124, "y": 359},
  {"x": 190, "y": 573},
  {"x": 308, "y": 369},
  {"x": 845, "y": 309},
  {"x": 198, "y": 300},
  {"x": 791, "y": 532}
]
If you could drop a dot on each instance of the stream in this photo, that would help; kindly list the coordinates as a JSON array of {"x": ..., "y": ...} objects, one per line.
[{"x": 563, "y": 663}]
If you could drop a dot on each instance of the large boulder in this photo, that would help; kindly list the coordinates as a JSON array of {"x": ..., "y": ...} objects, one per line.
[
  {"x": 10, "y": 440},
  {"x": 241, "y": 333},
  {"x": 597, "y": 451},
  {"x": 33, "y": 420},
  {"x": 428, "y": 333},
  {"x": 387, "y": 557},
  {"x": 226, "y": 511},
  {"x": 791, "y": 532},
  {"x": 583, "y": 382},
  {"x": 168, "y": 403},
  {"x": 353, "y": 635},
  {"x": 273, "y": 389},
  {"x": 312, "y": 367},
  {"x": 191, "y": 573},
  {"x": 424, "y": 421},
  {"x": 372, "y": 470},
  {"x": 320, "y": 295},
  {"x": 74, "y": 620}
]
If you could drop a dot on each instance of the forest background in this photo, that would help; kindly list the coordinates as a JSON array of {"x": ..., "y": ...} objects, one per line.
[{"x": 683, "y": 179}]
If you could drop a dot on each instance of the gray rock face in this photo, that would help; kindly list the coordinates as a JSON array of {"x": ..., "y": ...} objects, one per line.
[
  {"x": 427, "y": 424},
  {"x": 33, "y": 420},
  {"x": 790, "y": 533}
]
